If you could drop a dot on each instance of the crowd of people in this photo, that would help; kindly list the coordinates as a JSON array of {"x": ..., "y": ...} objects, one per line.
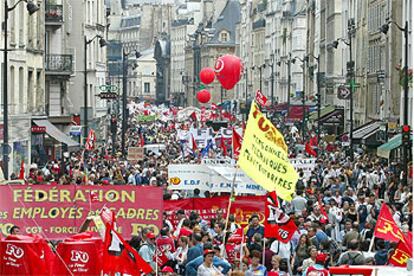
[{"x": 335, "y": 208}]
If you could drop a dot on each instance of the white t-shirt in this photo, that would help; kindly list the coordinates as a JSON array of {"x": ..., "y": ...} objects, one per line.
[
  {"x": 282, "y": 249},
  {"x": 208, "y": 271}
]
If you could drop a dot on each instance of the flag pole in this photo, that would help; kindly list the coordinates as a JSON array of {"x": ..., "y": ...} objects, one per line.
[
  {"x": 228, "y": 210},
  {"x": 264, "y": 251},
  {"x": 371, "y": 244}
]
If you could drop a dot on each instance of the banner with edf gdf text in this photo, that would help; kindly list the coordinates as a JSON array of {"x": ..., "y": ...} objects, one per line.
[{"x": 264, "y": 158}]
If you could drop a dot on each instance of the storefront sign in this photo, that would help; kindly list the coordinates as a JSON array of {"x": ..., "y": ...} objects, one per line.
[
  {"x": 243, "y": 207},
  {"x": 214, "y": 178},
  {"x": 38, "y": 129},
  {"x": 59, "y": 211}
]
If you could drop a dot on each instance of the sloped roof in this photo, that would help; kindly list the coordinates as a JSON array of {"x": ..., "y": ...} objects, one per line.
[{"x": 227, "y": 21}]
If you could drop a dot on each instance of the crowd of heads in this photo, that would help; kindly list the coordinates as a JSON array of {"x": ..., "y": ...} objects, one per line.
[{"x": 335, "y": 207}]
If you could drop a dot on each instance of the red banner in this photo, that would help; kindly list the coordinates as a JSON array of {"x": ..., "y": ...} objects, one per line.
[
  {"x": 59, "y": 211},
  {"x": 243, "y": 207}
]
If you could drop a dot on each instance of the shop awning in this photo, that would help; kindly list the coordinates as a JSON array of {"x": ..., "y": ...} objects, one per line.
[
  {"x": 324, "y": 111},
  {"x": 385, "y": 149},
  {"x": 56, "y": 134},
  {"x": 366, "y": 130}
]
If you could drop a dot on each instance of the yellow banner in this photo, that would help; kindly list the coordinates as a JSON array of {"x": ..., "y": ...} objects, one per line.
[{"x": 264, "y": 158}]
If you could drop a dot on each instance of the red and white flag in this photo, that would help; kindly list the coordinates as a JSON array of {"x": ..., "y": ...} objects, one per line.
[
  {"x": 277, "y": 224},
  {"x": 260, "y": 98},
  {"x": 236, "y": 140},
  {"x": 120, "y": 257},
  {"x": 93, "y": 196},
  {"x": 90, "y": 140},
  {"x": 107, "y": 216},
  {"x": 237, "y": 236}
]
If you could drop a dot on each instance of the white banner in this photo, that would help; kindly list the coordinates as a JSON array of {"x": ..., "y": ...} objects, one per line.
[
  {"x": 214, "y": 178},
  {"x": 306, "y": 164}
]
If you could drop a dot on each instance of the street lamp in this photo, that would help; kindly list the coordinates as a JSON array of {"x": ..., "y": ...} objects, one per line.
[
  {"x": 272, "y": 76},
  {"x": 260, "y": 67},
  {"x": 125, "y": 56},
  {"x": 102, "y": 43},
  {"x": 31, "y": 9},
  {"x": 384, "y": 29},
  {"x": 351, "y": 79},
  {"x": 304, "y": 61},
  {"x": 288, "y": 63},
  {"x": 318, "y": 88}
]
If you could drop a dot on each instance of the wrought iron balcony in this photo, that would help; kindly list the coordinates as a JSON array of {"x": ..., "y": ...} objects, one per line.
[
  {"x": 58, "y": 64},
  {"x": 54, "y": 14}
]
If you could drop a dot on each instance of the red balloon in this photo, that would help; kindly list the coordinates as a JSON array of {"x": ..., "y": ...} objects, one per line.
[
  {"x": 228, "y": 70},
  {"x": 203, "y": 96},
  {"x": 207, "y": 75}
]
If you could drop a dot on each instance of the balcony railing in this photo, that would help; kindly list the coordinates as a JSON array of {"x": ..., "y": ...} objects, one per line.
[
  {"x": 54, "y": 13},
  {"x": 58, "y": 63}
]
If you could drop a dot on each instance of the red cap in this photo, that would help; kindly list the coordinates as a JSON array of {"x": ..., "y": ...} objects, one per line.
[
  {"x": 150, "y": 235},
  {"x": 321, "y": 257},
  {"x": 167, "y": 269},
  {"x": 208, "y": 251}
]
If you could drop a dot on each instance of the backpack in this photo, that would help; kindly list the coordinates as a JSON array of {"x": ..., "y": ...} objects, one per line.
[{"x": 352, "y": 260}]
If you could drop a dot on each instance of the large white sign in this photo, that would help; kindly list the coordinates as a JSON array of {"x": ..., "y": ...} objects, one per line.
[
  {"x": 214, "y": 178},
  {"x": 306, "y": 164},
  {"x": 202, "y": 135}
]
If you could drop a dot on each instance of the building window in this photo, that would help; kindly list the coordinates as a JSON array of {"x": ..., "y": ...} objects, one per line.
[
  {"x": 146, "y": 87},
  {"x": 224, "y": 36}
]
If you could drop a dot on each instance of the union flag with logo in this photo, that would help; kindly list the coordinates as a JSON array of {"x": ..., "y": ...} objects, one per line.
[
  {"x": 386, "y": 228},
  {"x": 403, "y": 252},
  {"x": 277, "y": 223}
]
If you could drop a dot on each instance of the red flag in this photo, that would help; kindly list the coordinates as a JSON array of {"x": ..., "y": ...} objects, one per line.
[
  {"x": 21, "y": 173},
  {"x": 236, "y": 143},
  {"x": 260, "y": 98},
  {"x": 386, "y": 228},
  {"x": 25, "y": 255},
  {"x": 403, "y": 252},
  {"x": 90, "y": 140},
  {"x": 277, "y": 224},
  {"x": 120, "y": 257},
  {"x": 141, "y": 140},
  {"x": 160, "y": 257},
  {"x": 78, "y": 257},
  {"x": 223, "y": 146},
  {"x": 193, "y": 116},
  {"x": 314, "y": 141},
  {"x": 194, "y": 146},
  {"x": 309, "y": 149}
]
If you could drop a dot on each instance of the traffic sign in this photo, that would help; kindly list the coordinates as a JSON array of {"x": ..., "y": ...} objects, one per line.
[
  {"x": 343, "y": 92},
  {"x": 108, "y": 88},
  {"x": 108, "y": 95}
]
